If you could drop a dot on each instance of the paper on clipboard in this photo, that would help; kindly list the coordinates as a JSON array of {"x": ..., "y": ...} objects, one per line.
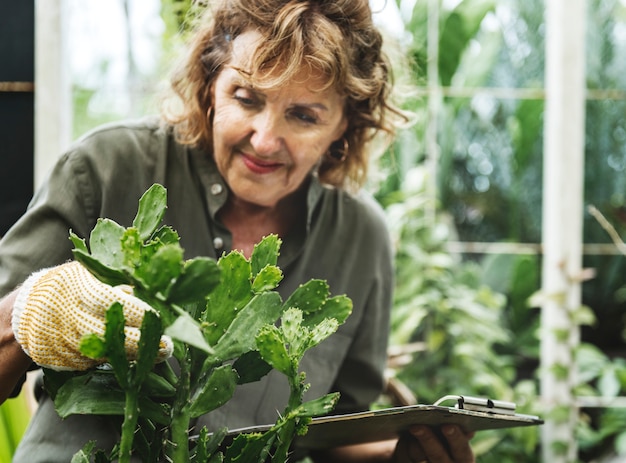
[{"x": 376, "y": 425}]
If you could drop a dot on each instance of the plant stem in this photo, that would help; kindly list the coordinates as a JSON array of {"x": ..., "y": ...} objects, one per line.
[
  {"x": 131, "y": 415},
  {"x": 286, "y": 432},
  {"x": 181, "y": 415}
]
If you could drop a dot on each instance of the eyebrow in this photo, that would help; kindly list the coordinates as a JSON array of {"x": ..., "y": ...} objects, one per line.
[
  {"x": 241, "y": 81},
  {"x": 320, "y": 106}
]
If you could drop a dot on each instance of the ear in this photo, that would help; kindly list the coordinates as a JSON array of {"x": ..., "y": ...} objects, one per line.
[{"x": 212, "y": 92}]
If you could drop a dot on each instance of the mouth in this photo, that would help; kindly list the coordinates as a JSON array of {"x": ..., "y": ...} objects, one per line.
[{"x": 258, "y": 166}]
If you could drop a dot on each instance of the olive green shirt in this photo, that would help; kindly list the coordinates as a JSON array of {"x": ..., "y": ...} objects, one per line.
[{"x": 344, "y": 241}]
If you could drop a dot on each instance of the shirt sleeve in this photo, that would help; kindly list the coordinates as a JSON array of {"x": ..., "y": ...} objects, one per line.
[{"x": 57, "y": 207}]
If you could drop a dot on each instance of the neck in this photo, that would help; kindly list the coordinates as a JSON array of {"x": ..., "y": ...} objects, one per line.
[{"x": 249, "y": 223}]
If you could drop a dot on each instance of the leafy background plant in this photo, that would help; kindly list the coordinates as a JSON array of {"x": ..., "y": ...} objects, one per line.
[{"x": 14, "y": 417}]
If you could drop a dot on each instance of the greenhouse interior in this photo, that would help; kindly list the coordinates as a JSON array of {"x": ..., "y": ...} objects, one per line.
[{"x": 502, "y": 195}]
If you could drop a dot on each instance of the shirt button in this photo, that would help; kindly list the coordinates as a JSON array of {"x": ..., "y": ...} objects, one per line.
[
  {"x": 218, "y": 243},
  {"x": 216, "y": 189}
]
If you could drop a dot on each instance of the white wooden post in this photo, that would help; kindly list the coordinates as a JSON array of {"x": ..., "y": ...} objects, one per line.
[
  {"x": 53, "y": 101},
  {"x": 434, "y": 105},
  {"x": 564, "y": 131}
]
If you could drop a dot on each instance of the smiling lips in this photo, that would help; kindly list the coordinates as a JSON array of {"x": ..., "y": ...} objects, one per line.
[{"x": 260, "y": 167}]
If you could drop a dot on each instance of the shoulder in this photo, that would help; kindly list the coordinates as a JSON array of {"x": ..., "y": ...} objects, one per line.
[
  {"x": 352, "y": 223},
  {"x": 106, "y": 170},
  {"x": 141, "y": 145},
  {"x": 137, "y": 133},
  {"x": 359, "y": 209}
]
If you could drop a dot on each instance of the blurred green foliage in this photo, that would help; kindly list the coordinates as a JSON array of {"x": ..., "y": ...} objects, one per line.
[
  {"x": 470, "y": 314},
  {"x": 14, "y": 418}
]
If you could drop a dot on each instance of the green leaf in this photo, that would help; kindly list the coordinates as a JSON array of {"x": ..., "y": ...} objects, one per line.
[
  {"x": 187, "y": 330},
  {"x": 250, "y": 448},
  {"x": 322, "y": 331},
  {"x": 198, "y": 278},
  {"x": 95, "y": 395},
  {"x": 92, "y": 346},
  {"x": 105, "y": 243},
  {"x": 152, "y": 205},
  {"x": 320, "y": 406},
  {"x": 79, "y": 243},
  {"x": 162, "y": 268},
  {"x": 338, "y": 307},
  {"x": 53, "y": 380},
  {"x": 301, "y": 338},
  {"x": 114, "y": 339},
  {"x": 608, "y": 383},
  {"x": 157, "y": 412},
  {"x": 620, "y": 443},
  {"x": 458, "y": 29},
  {"x": 271, "y": 346},
  {"x": 208, "y": 445},
  {"x": 215, "y": 392},
  {"x": 583, "y": 315},
  {"x": 239, "y": 338},
  {"x": 151, "y": 331},
  {"x": 89, "y": 394},
  {"x": 267, "y": 279},
  {"x": 265, "y": 253},
  {"x": 14, "y": 418},
  {"x": 132, "y": 248},
  {"x": 84, "y": 454},
  {"x": 102, "y": 272},
  {"x": 166, "y": 235},
  {"x": 156, "y": 385},
  {"x": 309, "y": 296},
  {"x": 291, "y": 325},
  {"x": 251, "y": 367},
  {"x": 227, "y": 299}
]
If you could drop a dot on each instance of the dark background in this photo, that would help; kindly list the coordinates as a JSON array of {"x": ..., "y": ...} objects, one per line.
[{"x": 17, "y": 45}]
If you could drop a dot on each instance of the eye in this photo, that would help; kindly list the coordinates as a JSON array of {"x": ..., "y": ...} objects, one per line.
[
  {"x": 304, "y": 116},
  {"x": 246, "y": 98}
]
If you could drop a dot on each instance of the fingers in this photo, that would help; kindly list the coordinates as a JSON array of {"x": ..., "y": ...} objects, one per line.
[
  {"x": 459, "y": 444},
  {"x": 434, "y": 449},
  {"x": 166, "y": 348},
  {"x": 131, "y": 344},
  {"x": 134, "y": 308},
  {"x": 453, "y": 447},
  {"x": 408, "y": 450}
]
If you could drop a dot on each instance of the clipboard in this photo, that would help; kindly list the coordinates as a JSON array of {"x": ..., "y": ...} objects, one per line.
[{"x": 471, "y": 414}]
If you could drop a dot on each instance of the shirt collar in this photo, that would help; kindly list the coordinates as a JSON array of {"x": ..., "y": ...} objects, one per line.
[{"x": 216, "y": 190}]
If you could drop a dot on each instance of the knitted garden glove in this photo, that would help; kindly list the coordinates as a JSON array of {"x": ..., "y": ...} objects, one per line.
[{"x": 56, "y": 307}]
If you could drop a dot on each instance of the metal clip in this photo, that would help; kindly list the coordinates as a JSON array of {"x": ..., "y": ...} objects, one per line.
[{"x": 480, "y": 405}]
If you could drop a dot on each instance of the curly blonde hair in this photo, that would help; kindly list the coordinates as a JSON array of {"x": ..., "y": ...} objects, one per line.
[{"x": 336, "y": 37}]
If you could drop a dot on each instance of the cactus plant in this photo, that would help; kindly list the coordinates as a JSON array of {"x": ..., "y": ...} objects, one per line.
[{"x": 222, "y": 317}]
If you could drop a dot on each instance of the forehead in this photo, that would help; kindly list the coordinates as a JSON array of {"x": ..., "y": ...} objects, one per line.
[{"x": 244, "y": 48}]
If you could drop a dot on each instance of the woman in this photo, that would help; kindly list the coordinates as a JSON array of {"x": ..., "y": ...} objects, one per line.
[{"x": 276, "y": 105}]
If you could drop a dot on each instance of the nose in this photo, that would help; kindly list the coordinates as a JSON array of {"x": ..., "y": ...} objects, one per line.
[{"x": 267, "y": 134}]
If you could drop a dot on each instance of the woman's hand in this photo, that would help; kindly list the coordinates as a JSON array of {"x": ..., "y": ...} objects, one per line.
[
  {"x": 422, "y": 444},
  {"x": 13, "y": 360},
  {"x": 56, "y": 307}
]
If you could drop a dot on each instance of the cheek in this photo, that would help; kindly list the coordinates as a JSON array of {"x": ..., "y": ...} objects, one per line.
[
  {"x": 225, "y": 120},
  {"x": 311, "y": 150},
  {"x": 303, "y": 161},
  {"x": 228, "y": 130}
]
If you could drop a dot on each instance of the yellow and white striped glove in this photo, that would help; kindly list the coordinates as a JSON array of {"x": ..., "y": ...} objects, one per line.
[{"x": 56, "y": 307}]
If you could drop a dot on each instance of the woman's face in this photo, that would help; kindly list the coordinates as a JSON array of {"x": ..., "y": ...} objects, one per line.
[{"x": 265, "y": 142}]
